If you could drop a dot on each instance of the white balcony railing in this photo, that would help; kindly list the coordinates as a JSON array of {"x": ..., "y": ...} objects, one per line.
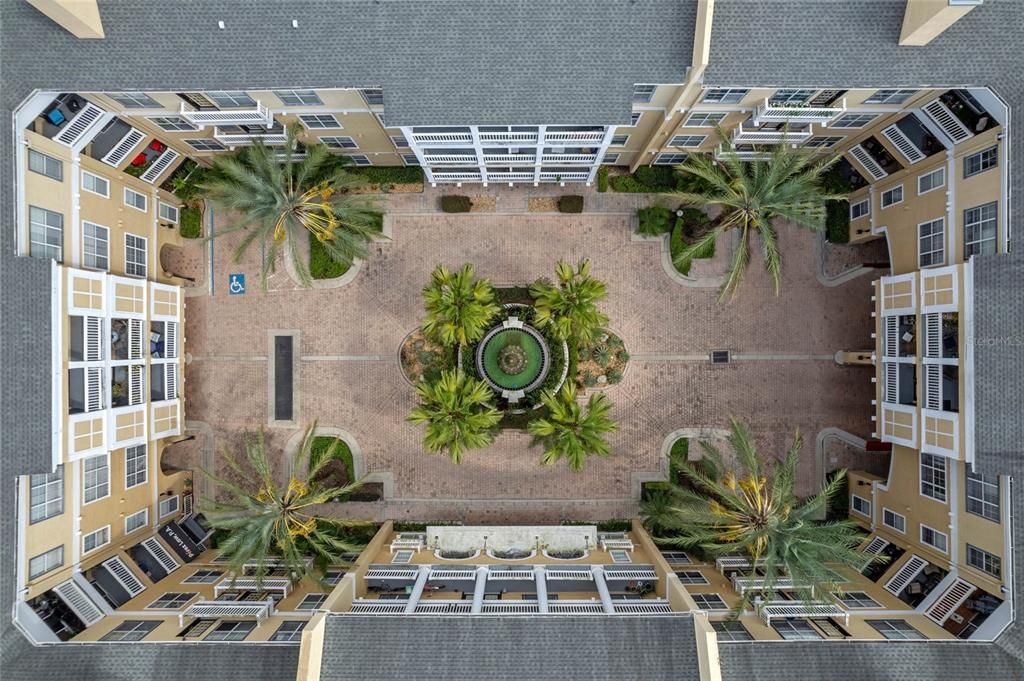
[
  {"x": 456, "y": 177},
  {"x": 743, "y": 135},
  {"x": 508, "y": 137},
  {"x": 450, "y": 159},
  {"x": 563, "y": 138},
  {"x": 270, "y": 138},
  {"x": 777, "y": 113},
  {"x": 442, "y": 137},
  {"x": 258, "y": 610},
  {"x": 744, "y": 584},
  {"x": 281, "y": 585},
  {"x": 260, "y": 115},
  {"x": 510, "y": 159},
  {"x": 510, "y": 177},
  {"x": 571, "y": 159},
  {"x": 564, "y": 177},
  {"x": 734, "y": 563},
  {"x": 745, "y": 154},
  {"x": 783, "y": 609},
  {"x": 163, "y": 163}
]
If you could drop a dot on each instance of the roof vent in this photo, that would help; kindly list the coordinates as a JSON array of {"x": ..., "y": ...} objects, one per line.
[{"x": 720, "y": 357}]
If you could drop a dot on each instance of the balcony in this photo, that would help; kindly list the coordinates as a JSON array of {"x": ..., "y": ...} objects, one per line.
[
  {"x": 510, "y": 177},
  {"x": 260, "y": 115},
  {"x": 281, "y": 585},
  {"x": 564, "y": 177},
  {"x": 570, "y": 159},
  {"x": 743, "y": 584},
  {"x": 745, "y": 135},
  {"x": 510, "y": 159},
  {"x": 557, "y": 137},
  {"x": 443, "y": 138},
  {"x": 512, "y": 138},
  {"x": 273, "y": 137},
  {"x": 779, "y": 113},
  {"x": 258, "y": 610},
  {"x": 744, "y": 152},
  {"x": 462, "y": 159},
  {"x": 817, "y": 610},
  {"x": 456, "y": 177}
]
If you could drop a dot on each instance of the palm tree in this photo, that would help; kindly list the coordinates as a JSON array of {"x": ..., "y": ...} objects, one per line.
[
  {"x": 751, "y": 509},
  {"x": 264, "y": 519},
  {"x": 280, "y": 202},
  {"x": 459, "y": 306},
  {"x": 458, "y": 413},
  {"x": 569, "y": 308},
  {"x": 570, "y": 431},
  {"x": 750, "y": 195}
]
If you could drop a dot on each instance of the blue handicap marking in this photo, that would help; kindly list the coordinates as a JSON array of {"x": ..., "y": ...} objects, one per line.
[{"x": 236, "y": 284}]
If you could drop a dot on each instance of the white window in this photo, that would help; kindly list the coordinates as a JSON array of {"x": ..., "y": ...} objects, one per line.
[
  {"x": 94, "y": 184},
  {"x": 45, "y": 562},
  {"x": 135, "y": 199},
  {"x": 46, "y": 165},
  {"x": 890, "y": 197},
  {"x": 205, "y": 144},
  {"x": 796, "y": 630},
  {"x": 933, "y": 476},
  {"x": 982, "y": 495},
  {"x": 400, "y": 142},
  {"x": 97, "y": 246},
  {"x": 687, "y": 140},
  {"x": 619, "y": 140},
  {"x": 853, "y": 120},
  {"x": 46, "y": 233},
  {"x": 298, "y": 97},
  {"x": 823, "y": 142},
  {"x": 171, "y": 601},
  {"x": 692, "y": 577},
  {"x": 410, "y": 159},
  {"x": 931, "y": 181},
  {"x": 46, "y": 495},
  {"x": 709, "y": 602},
  {"x": 173, "y": 123},
  {"x": 725, "y": 95},
  {"x": 96, "y": 478},
  {"x": 131, "y": 630},
  {"x": 134, "y": 255},
  {"x": 403, "y": 556},
  {"x": 610, "y": 159},
  {"x": 620, "y": 556},
  {"x": 311, "y": 602},
  {"x": 168, "y": 506},
  {"x": 231, "y": 631},
  {"x": 374, "y": 96},
  {"x": 136, "y": 521},
  {"x": 339, "y": 142},
  {"x": 361, "y": 159},
  {"x": 984, "y": 561},
  {"x": 935, "y": 539},
  {"x": 669, "y": 159},
  {"x": 860, "y": 209},
  {"x": 96, "y": 540},
  {"x": 895, "y": 630},
  {"x": 203, "y": 577},
  {"x": 634, "y": 118},
  {"x": 643, "y": 93},
  {"x": 676, "y": 557},
  {"x": 290, "y": 630},
  {"x": 855, "y": 599},
  {"x": 134, "y": 100},
  {"x": 134, "y": 466},
  {"x": 791, "y": 96},
  {"x": 861, "y": 506},
  {"x": 167, "y": 212},
  {"x": 319, "y": 121},
  {"x": 894, "y": 520},
  {"x": 704, "y": 119},
  {"x": 981, "y": 161},
  {"x": 889, "y": 96},
  {"x": 980, "y": 230},
  {"x": 931, "y": 237},
  {"x": 234, "y": 99},
  {"x": 332, "y": 577}
]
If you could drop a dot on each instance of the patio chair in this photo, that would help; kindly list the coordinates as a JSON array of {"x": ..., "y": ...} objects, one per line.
[{"x": 56, "y": 117}]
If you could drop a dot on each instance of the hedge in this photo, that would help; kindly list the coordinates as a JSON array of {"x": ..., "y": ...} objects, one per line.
[
  {"x": 837, "y": 221},
  {"x": 191, "y": 226},
  {"x": 602, "y": 179},
  {"x": 570, "y": 204},
  {"x": 654, "y": 220},
  {"x": 456, "y": 204},
  {"x": 388, "y": 174},
  {"x": 647, "y": 179}
]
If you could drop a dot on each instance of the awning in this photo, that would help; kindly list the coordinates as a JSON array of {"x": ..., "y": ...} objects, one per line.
[
  {"x": 195, "y": 526},
  {"x": 180, "y": 541}
]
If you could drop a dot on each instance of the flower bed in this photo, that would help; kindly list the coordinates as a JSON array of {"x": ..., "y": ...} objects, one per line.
[{"x": 601, "y": 363}]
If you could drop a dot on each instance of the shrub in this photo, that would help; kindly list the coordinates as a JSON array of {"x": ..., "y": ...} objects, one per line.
[
  {"x": 388, "y": 175},
  {"x": 837, "y": 221},
  {"x": 657, "y": 178},
  {"x": 191, "y": 225},
  {"x": 589, "y": 380},
  {"x": 570, "y": 204},
  {"x": 321, "y": 264},
  {"x": 456, "y": 204},
  {"x": 602, "y": 179},
  {"x": 614, "y": 376},
  {"x": 654, "y": 220},
  {"x": 602, "y": 357},
  {"x": 622, "y": 355}
]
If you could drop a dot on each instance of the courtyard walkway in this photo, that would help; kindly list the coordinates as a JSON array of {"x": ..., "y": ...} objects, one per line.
[{"x": 783, "y": 376}]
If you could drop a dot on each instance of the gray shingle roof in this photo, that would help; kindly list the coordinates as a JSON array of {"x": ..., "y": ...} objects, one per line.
[
  {"x": 444, "y": 62},
  {"x": 496, "y": 648}
]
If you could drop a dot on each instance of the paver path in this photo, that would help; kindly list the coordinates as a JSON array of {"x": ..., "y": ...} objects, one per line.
[{"x": 349, "y": 340}]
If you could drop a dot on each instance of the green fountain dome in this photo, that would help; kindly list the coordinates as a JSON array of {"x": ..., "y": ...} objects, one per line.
[{"x": 513, "y": 358}]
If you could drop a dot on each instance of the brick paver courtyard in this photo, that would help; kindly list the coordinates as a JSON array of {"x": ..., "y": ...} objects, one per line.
[{"x": 349, "y": 338}]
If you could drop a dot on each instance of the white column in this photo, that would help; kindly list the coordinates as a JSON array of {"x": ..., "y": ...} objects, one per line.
[
  {"x": 417, "y": 589},
  {"x": 538, "y": 161},
  {"x": 602, "y": 589},
  {"x": 609, "y": 132},
  {"x": 478, "y": 590},
  {"x": 541, "y": 581},
  {"x": 478, "y": 147}
]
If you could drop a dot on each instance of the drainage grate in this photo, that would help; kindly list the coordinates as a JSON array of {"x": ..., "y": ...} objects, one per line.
[
  {"x": 720, "y": 357},
  {"x": 283, "y": 378}
]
